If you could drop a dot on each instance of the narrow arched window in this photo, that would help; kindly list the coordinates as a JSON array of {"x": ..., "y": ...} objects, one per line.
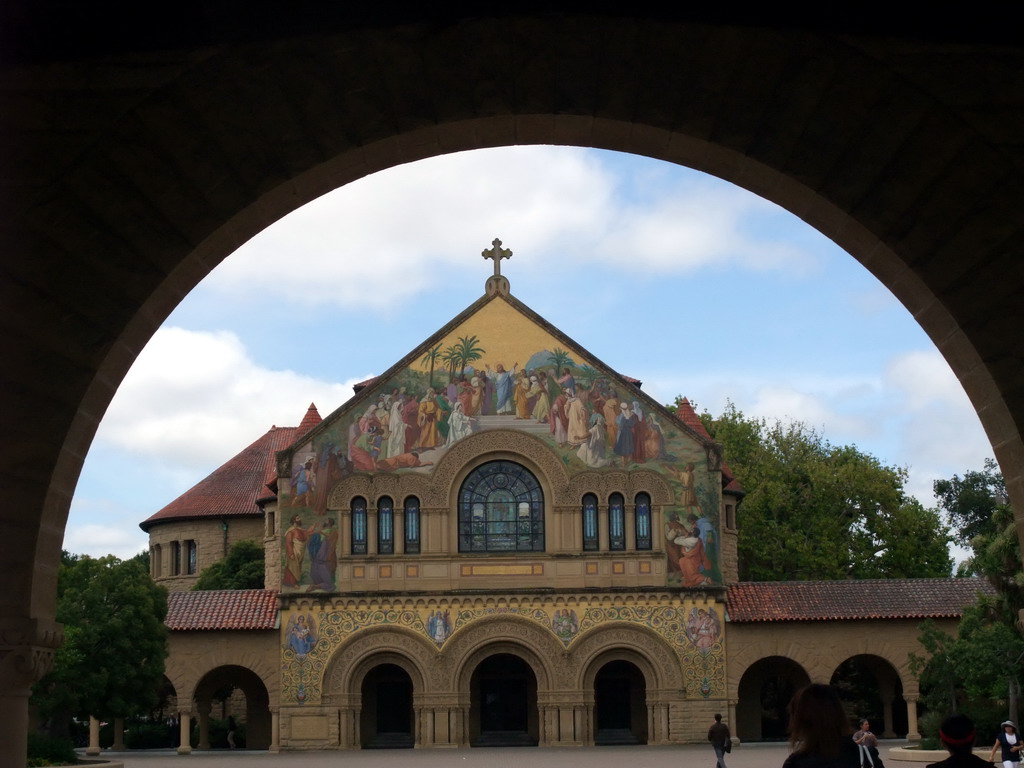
[
  {"x": 358, "y": 526},
  {"x": 412, "y": 525},
  {"x": 590, "y": 536},
  {"x": 385, "y": 526},
  {"x": 616, "y": 522},
  {"x": 501, "y": 509},
  {"x": 643, "y": 521}
]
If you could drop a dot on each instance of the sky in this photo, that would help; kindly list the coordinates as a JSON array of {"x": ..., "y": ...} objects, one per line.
[{"x": 668, "y": 275}]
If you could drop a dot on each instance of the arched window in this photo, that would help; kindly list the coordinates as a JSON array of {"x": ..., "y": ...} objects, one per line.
[
  {"x": 358, "y": 526},
  {"x": 501, "y": 509},
  {"x": 590, "y": 539},
  {"x": 412, "y": 526},
  {"x": 385, "y": 526},
  {"x": 643, "y": 521},
  {"x": 616, "y": 522}
]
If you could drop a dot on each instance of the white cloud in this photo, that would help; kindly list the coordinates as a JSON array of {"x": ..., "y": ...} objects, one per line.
[
  {"x": 195, "y": 398},
  {"x": 395, "y": 233},
  {"x": 101, "y": 540}
]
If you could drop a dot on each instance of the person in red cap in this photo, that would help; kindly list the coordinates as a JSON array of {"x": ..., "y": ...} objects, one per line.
[{"x": 957, "y": 734}]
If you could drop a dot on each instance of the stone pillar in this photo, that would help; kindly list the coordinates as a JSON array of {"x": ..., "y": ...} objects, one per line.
[
  {"x": 887, "y": 698},
  {"x": 185, "y": 733},
  {"x": 26, "y": 654},
  {"x": 733, "y": 727},
  {"x": 912, "y": 734},
  {"x": 275, "y": 731},
  {"x": 94, "y": 737},
  {"x": 602, "y": 525},
  {"x": 630, "y": 523},
  {"x": 204, "y": 724},
  {"x": 118, "y": 734}
]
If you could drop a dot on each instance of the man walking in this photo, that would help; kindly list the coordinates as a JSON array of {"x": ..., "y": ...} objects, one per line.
[{"x": 718, "y": 735}]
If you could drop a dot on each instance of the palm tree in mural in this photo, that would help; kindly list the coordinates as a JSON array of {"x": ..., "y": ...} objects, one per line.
[
  {"x": 450, "y": 357},
  {"x": 429, "y": 359},
  {"x": 468, "y": 349},
  {"x": 559, "y": 358}
]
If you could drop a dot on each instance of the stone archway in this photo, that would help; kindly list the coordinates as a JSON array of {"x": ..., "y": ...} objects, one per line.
[
  {"x": 219, "y": 689},
  {"x": 765, "y": 690},
  {"x": 871, "y": 688},
  {"x": 386, "y": 708},
  {"x": 158, "y": 168},
  {"x": 503, "y": 702}
]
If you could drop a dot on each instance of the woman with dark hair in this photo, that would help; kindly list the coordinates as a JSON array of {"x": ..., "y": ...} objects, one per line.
[
  {"x": 1009, "y": 742},
  {"x": 819, "y": 731},
  {"x": 957, "y": 735}
]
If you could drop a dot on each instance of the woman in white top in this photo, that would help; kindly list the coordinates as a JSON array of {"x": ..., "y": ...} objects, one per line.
[{"x": 1010, "y": 743}]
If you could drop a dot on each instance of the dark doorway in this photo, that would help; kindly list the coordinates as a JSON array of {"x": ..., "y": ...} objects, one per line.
[
  {"x": 620, "y": 704},
  {"x": 503, "y": 703},
  {"x": 870, "y": 688},
  {"x": 386, "y": 719},
  {"x": 765, "y": 690}
]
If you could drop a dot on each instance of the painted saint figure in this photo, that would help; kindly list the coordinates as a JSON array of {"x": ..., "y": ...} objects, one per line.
[
  {"x": 294, "y": 552},
  {"x": 323, "y": 556},
  {"x": 504, "y": 383}
]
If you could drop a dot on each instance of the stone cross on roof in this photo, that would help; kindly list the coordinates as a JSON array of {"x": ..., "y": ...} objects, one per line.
[{"x": 497, "y": 253}]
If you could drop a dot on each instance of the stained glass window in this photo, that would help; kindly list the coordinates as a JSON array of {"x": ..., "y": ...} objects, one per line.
[
  {"x": 412, "y": 525},
  {"x": 358, "y": 526},
  {"x": 385, "y": 526},
  {"x": 616, "y": 522},
  {"x": 590, "y": 537},
  {"x": 643, "y": 521},
  {"x": 501, "y": 509}
]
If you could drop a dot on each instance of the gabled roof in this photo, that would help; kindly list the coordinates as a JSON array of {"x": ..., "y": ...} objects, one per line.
[
  {"x": 232, "y": 489},
  {"x": 854, "y": 599},
  {"x": 689, "y": 417},
  {"x": 222, "y": 609},
  {"x": 364, "y": 389}
]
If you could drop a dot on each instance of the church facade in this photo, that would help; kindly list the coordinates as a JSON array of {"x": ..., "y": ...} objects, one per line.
[{"x": 502, "y": 541}]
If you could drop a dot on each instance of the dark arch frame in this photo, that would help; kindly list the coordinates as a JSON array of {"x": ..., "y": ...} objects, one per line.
[{"x": 918, "y": 183}]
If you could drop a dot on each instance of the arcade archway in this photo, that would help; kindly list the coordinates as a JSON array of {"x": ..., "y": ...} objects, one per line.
[
  {"x": 235, "y": 695},
  {"x": 870, "y": 688},
  {"x": 620, "y": 704},
  {"x": 386, "y": 719},
  {"x": 765, "y": 691},
  {"x": 503, "y": 703}
]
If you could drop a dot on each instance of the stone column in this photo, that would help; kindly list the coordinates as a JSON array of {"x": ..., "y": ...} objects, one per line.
[
  {"x": 630, "y": 523},
  {"x": 602, "y": 525},
  {"x": 204, "y": 725},
  {"x": 275, "y": 731},
  {"x": 733, "y": 726},
  {"x": 118, "y": 734},
  {"x": 26, "y": 654},
  {"x": 94, "y": 737},
  {"x": 185, "y": 733},
  {"x": 912, "y": 734}
]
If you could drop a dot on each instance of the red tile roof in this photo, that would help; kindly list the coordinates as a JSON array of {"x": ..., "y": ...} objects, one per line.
[
  {"x": 232, "y": 489},
  {"x": 222, "y": 609},
  {"x": 855, "y": 599},
  {"x": 689, "y": 417}
]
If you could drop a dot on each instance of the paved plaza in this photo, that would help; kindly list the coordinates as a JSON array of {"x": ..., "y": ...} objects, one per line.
[{"x": 689, "y": 756}]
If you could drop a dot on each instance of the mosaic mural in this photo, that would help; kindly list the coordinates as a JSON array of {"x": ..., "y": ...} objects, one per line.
[
  {"x": 499, "y": 369},
  {"x": 694, "y": 632}
]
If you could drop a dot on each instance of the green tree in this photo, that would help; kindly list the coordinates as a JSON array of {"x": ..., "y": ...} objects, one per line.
[
  {"x": 980, "y": 669},
  {"x": 468, "y": 350},
  {"x": 815, "y": 510},
  {"x": 450, "y": 357},
  {"x": 112, "y": 661},
  {"x": 431, "y": 359},
  {"x": 560, "y": 359},
  {"x": 241, "y": 569},
  {"x": 970, "y": 501}
]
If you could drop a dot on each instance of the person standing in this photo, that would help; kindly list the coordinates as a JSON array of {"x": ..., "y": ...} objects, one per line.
[
  {"x": 721, "y": 740},
  {"x": 1010, "y": 743},
  {"x": 868, "y": 745},
  {"x": 957, "y": 735}
]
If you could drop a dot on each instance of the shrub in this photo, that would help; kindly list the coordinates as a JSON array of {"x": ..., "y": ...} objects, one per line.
[{"x": 48, "y": 750}]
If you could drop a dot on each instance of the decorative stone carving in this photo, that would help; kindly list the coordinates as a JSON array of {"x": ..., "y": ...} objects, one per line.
[{"x": 27, "y": 648}]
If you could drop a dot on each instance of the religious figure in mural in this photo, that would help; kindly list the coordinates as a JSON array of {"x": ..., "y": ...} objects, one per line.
[
  {"x": 576, "y": 416},
  {"x": 703, "y": 628},
  {"x": 459, "y": 425},
  {"x": 439, "y": 625},
  {"x": 504, "y": 383},
  {"x": 592, "y": 452},
  {"x": 301, "y": 634},
  {"x": 302, "y": 484},
  {"x": 565, "y": 624},
  {"x": 295, "y": 539},
  {"x": 624, "y": 425},
  {"x": 323, "y": 556}
]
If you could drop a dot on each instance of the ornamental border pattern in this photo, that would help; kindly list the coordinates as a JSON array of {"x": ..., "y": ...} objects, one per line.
[{"x": 701, "y": 660}]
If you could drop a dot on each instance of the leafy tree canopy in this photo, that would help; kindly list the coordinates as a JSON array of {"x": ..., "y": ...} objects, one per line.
[
  {"x": 241, "y": 569},
  {"x": 971, "y": 500},
  {"x": 112, "y": 660},
  {"x": 815, "y": 510}
]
